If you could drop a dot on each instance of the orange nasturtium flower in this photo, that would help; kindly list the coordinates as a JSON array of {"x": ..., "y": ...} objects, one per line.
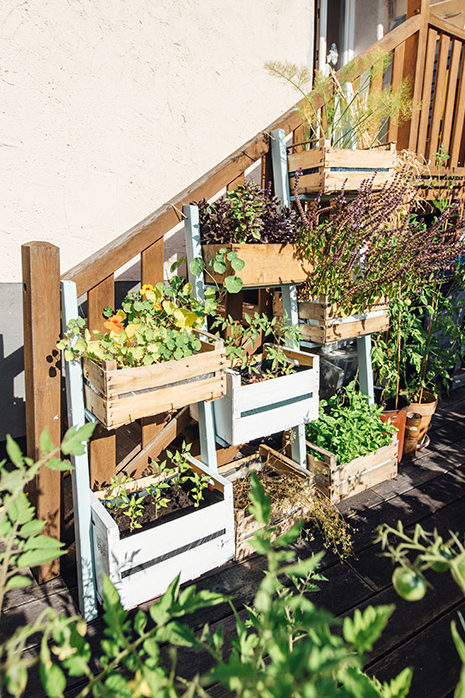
[
  {"x": 114, "y": 323},
  {"x": 146, "y": 288}
]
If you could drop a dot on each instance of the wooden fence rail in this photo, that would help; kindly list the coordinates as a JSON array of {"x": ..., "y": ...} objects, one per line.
[{"x": 423, "y": 47}]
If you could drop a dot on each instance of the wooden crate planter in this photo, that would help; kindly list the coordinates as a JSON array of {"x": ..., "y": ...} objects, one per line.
[
  {"x": 142, "y": 564},
  {"x": 326, "y": 169},
  {"x": 339, "y": 481},
  {"x": 265, "y": 264},
  {"x": 117, "y": 396},
  {"x": 284, "y": 516},
  {"x": 323, "y": 322},
  {"x": 257, "y": 410}
]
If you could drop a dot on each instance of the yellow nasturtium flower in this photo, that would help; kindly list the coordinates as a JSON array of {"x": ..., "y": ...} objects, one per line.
[
  {"x": 146, "y": 288},
  {"x": 130, "y": 330}
]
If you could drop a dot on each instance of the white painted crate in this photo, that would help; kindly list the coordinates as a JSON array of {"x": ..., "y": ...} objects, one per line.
[
  {"x": 142, "y": 565},
  {"x": 257, "y": 410}
]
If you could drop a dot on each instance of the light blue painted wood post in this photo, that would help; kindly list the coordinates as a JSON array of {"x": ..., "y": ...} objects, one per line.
[
  {"x": 205, "y": 409},
  {"x": 80, "y": 472},
  {"x": 365, "y": 369},
  {"x": 289, "y": 292}
]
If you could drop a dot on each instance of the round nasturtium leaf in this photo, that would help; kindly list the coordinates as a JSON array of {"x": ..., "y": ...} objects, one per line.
[{"x": 233, "y": 284}]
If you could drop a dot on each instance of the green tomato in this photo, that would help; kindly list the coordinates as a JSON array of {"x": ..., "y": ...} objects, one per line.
[
  {"x": 408, "y": 584},
  {"x": 439, "y": 566}
]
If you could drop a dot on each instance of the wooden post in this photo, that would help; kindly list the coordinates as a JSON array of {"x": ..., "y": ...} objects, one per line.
[{"x": 41, "y": 320}]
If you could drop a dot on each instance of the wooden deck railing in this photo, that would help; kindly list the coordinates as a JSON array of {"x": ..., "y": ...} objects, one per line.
[{"x": 424, "y": 47}]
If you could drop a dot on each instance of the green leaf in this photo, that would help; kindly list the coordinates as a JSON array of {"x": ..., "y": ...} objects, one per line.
[
  {"x": 16, "y": 679},
  {"x": 20, "y": 510},
  {"x": 53, "y": 679},
  {"x": 399, "y": 686},
  {"x": 42, "y": 543},
  {"x": 18, "y": 582},
  {"x": 233, "y": 284},
  {"x": 177, "y": 634},
  {"x": 289, "y": 536},
  {"x": 140, "y": 622},
  {"x": 33, "y": 558},
  {"x": 57, "y": 464},
  {"x": 75, "y": 439},
  {"x": 358, "y": 683},
  {"x": 303, "y": 568},
  {"x": 32, "y": 528},
  {"x": 260, "y": 506},
  {"x": 45, "y": 443},
  {"x": 14, "y": 452},
  {"x": 219, "y": 266},
  {"x": 364, "y": 629},
  {"x": 197, "y": 266},
  {"x": 236, "y": 262}
]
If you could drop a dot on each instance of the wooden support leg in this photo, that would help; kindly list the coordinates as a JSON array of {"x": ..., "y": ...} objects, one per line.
[
  {"x": 207, "y": 435},
  {"x": 365, "y": 370},
  {"x": 80, "y": 472},
  {"x": 41, "y": 318},
  {"x": 280, "y": 170}
]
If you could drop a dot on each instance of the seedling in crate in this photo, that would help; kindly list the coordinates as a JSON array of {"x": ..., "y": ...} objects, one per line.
[
  {"x": 199, "y": 484},
  {"x": 130, "y": 504}
]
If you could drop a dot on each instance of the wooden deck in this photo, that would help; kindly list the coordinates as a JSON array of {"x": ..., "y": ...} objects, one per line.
[{"x": 430, "y": 491}]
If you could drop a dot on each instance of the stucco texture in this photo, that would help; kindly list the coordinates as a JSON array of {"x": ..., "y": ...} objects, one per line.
[{"x": 109, "y": 107}]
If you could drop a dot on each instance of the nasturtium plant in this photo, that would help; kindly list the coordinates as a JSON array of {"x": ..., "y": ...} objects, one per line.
[
  {"x": 153, "y": 325},
  {"x": 349, "y": 426}
]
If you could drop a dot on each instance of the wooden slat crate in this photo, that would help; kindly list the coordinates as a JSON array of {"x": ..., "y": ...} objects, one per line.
[
  {"x": 119, "y": 396},
  {"x": 338, "y": 482},
  {"x": 257, "y": 410},
  {"x": 326, "y": 169},
  {"x": 324, "y": 323},
  {"x": 143, "y": 564},
  {"x": 284, "y": 516},
  {"x": 265, "y": 264}
]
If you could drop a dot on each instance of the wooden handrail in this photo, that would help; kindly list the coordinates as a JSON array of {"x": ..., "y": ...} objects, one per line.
[
  {"x": 108, "y": 259},
  {"x": 445, "y": 27}
]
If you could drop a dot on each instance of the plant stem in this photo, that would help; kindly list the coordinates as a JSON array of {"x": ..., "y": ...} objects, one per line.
[{"x": 399, "y": 338}]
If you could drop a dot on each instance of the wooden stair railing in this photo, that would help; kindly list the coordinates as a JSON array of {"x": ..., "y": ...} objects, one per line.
[{"x": 419, "y": 36}]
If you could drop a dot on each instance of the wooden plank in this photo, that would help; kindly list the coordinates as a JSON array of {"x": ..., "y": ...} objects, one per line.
[
  {"x": 102, "y": 448},
  {"x": 459, "y": 118},
  {"x": 41, "y": 323},
  {"x": 443, "y": 25},
  {"x": 240, "y": 179},
  {"x": 131, "y": 243},
  {"x": 452, "y": 85},
  {"x": 396, "y": 80},
  {"x": 438, "y": 101},
  {"x": 426, "y": 94},
  {"x": 152, "y": 271}
]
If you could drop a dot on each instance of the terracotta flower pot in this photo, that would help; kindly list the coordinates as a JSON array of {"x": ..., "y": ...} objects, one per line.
[
  {"x": 397, "y": 419},
  {"x": 426, "y": 409}
]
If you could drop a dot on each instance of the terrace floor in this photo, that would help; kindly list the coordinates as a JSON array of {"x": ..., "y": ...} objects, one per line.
[{"x": 431, "y": 490}]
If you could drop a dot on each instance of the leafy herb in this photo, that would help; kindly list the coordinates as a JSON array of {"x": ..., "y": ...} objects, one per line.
[{"x": 349, "y": 426}]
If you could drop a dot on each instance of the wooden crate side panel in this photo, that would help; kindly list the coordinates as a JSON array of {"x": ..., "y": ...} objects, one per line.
[
  {"x": 151, "y": 582},
  {"x": 363, "y": 464},
  {"x": 115, "y": 413},
  {"x": 358, "y": 328},
  {"x": 308, "y": 184},
  {"x": 125, "y": 380},
  {"x": 334, "y": 181},
  {"x": 364, "y": 481},
  {"x": 260, "y": 409},
  {"x": 374, "y": 158},
  {"x": 306, "y": 159},
  {"x": 265, "y": 265}
]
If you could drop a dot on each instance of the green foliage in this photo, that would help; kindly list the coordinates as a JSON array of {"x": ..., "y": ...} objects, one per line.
[
  {"x": 348, "y": 118},
  {"x": 349, "y": 426},
  {"x": 153, "y": 325},
  {"x": 410, "y": 357},
  {"x": 240, "y": 337}
]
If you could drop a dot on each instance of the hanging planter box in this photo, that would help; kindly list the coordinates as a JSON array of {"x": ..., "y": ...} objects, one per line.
[
  {"x": 117, "y": 396},
  {"x": 266, "y": 264},
  {"x": 326, "y": 169},
  {"x": 143, "y": 564},
  {"x": 283, "y": 515},
  {"x": 256, "y": 410},
  {"x": 338, "y": 482},
  {"x": 324, "y": 323}
]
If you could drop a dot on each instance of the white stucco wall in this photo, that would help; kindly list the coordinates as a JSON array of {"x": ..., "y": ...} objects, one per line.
[{"x": 109, "y": 107}]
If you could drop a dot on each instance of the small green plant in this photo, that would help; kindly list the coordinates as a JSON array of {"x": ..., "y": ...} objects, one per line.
[
  {"x": 128, "y": 503},
  {"x": 349, "y": 426},
  {"x": 240, "y": 338},
  {"x": 232, "y": 283},
  {"x": 199, "y": 484}
]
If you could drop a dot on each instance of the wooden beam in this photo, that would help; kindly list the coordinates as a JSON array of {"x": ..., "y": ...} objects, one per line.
[
  {"x": 427, "y": 89},
  {"x": 452, "y": 86},
  {"x": 102, "y": 447},
  {"x": 459, "y": 120},
  {"x": 41, "y": 321},
  {"x": 131, "y": 243},
  {"x": 396, "y": 80},
  {"x": 446, "y": 27},
  {"x": 438, "y": 101},
  {"x": 152, "y": 271}
]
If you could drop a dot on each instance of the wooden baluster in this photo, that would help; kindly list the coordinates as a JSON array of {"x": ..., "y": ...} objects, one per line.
[
  {"x": 152, "y": 271},
  {"x": 427, "y": 87},
  {"x": 438, "y": 102},
  {"x": 459, "y": 119},
  {"x": 41, "y": 318},
  {"x": 267, "y": 170},
  {"x": 414, "y": 65},
  {"x": 102, "y": 448},
  {"x": 396, "y": 79},
  {"x": 451, "y": 93}
]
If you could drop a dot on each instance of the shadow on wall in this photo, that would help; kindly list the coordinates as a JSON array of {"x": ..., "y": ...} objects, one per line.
[{"x": 12, "y": 407}]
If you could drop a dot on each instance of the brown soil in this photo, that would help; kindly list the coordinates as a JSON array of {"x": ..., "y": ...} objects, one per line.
[{"x": 180, "y": 504}]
